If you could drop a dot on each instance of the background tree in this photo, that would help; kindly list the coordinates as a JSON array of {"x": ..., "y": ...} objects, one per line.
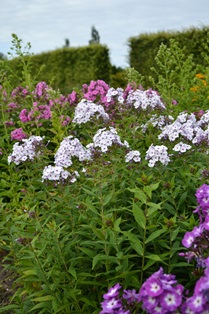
[
  {"x": 67, "y": 43},
  {"x": 95, "y": 38}
]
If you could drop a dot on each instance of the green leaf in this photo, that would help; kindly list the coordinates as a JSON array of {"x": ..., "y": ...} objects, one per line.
[
  {"x": 174, "y": 234},
  {"x": 153, "y": 208},
  {"x": 154, "y": 257},
  {"x": 72, "y": 271},
  {"x": 149, "y": 188},
  {"x": 155, "y": 235},
  {"x": 135, "y": 242},
  {"x": 103, "y": 257},
  {"x": 44, "y": 298},
  {"x": 139, "y": 216},
  {"x": 138, "y": 193}
]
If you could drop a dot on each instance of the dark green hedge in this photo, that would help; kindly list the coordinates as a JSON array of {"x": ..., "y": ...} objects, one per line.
[
  {"x": 143, "y": 48},
  {"x": 70, "y": 67}
]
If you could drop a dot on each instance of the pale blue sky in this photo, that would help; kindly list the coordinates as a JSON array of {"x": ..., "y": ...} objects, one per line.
[{"x": 46, "y": 23}]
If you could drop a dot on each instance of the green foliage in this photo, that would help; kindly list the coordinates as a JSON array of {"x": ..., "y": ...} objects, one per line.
[
  {"x": 143, "y": 48},
  {"x": 119, "y": 222}
]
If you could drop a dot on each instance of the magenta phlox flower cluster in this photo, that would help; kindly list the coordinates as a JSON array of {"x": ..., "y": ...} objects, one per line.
[
  {"x": 133, "y": 156},
  {"x": 86, "y": 109},
  {"x": 105, "y": 138},
  {"x": 160, "y": 293},
  {"x": 156, "y": 154},
  {"x": 158, "y": 122},
  {"x": 18, "y": 134},
  {"x": 28, "y": 150},
  {"x": 70, "y": 147},
  {"x": 96, "y": 91},
  {"x": 144, "y": 100}
]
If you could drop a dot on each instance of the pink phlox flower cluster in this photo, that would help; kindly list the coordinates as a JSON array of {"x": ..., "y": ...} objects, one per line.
[
  {"x": 115, "y": 94},
  {"x": 41, "y": 89},
  {"x": 86, "y": 110},
  {"x": 20, "y": 91},
  {"x": 157, "y": 153},
  {"x": 96, "y": 91},
  {"x": 11, "y": 106},
  {"x": 70, "y": 147},
  {"x": 18, "y": 134},
  {"x": 133, "y": 156},
  {"x": 112, "y": 303},
  {"x": 158, "y": 122},
  {"x": 36, "y": 113},
  {"x": 65, "y": 120},
  {"x": 72, "y": 98},
  {"x": 28, "y": 150},
  {"x": 9, "y": 123},
  {"x": 160, "y": 293},
  {"x": 144, "y": 100},
  {"x": 198, "y": 303},
  {"x": 105, "y": 138}
]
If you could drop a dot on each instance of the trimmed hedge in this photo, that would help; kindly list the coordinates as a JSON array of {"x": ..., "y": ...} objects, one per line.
[
  {"x": 143, "y": 48},
  {"x": 69, "y": 67}
]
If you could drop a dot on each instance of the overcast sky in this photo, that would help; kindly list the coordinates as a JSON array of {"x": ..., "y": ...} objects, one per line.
[{"x": 47, "y": 23}]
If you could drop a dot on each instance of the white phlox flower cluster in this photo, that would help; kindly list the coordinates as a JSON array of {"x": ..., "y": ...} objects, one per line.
[
  {"x": 144, "y": 100},
  {"x": 158, "y": 122},
  {"x": 133, "y": 155},
  {"x": 185, "y": 125},
  {"x": 70, "y": 147},
  {"x": 157, "y": 153},
  {"x": 59, "y": 174},
  {"x": 115, "y": 94},
  {"x": 26, "y": 151},
  {"x": 181, "y": 147},
  {"x": 86, "y": 109},
  {"x": 105, "y": 138}
]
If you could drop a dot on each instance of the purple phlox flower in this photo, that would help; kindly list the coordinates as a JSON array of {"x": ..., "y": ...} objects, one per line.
[
  {"x": 188, "y": 255},
  {"x": 202, "y": 196},
  {"x": 170, "y": 300},
  {"x": 149, "y": 303},
  {"x": 198, "y": 230},
  {"x": 110, "y": 305},
  {"x": 130, "y": 295},
  {"x": 188, "y": 239},
  {"x": 160, "y": 293},
  {"x": 196, "y": 303},
  {"x": 113, "y": 292}
]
